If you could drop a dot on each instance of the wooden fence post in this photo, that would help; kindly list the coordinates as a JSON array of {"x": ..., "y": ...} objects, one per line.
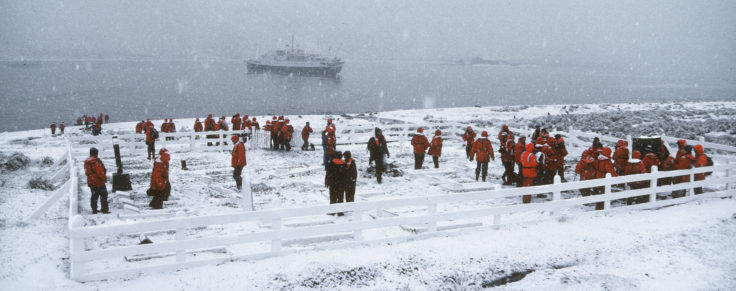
[
  {"x": 76, "y": 245},
  {"x": 276, "y": 242},
  {"x": 432, "y": 209},
  {"x": 631, "y": 145},
  {"x": 180, "y": 253},
  {"x": 607, "y": 192},
  {"x": 497, "y": 217},
  {"x": 691, "y": 191},
  {"x": 653, "y": 186}
]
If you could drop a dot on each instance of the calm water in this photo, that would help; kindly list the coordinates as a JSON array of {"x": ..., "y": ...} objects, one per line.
[{"x": 37, "y": 93}]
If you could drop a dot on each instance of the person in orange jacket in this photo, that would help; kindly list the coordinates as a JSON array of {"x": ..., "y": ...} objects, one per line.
[
  {"x": 306, "y": 130},
  {"x": 621, "y": 156},
  {"x": 420, "y": 144},
  {"x": 198, "y": 125},
  {"x": 603, "y": 166},
  {"x": 469, "y": 138},
  {"x": 107, "y": 118},
  {"x": 160, "y": 186},
  {"x": 246, "y": 123},
  {"x": 508, "y": 159},
  {"x": 518, "y": 150},
  {"x": 96, "y": 174},
  {"x": 561, "y": 152},
  {"x": 701, "y": 160},
  {"x": 650, "y": 159},
  {"x": 53, "y": 128},
  {"x": 331, "y": 127},
  {"x": 238, "y": 161},
  {"x": 274, "y": 133},
  {"x": 62, "y": 127},
  {"x": 286, "y": 133},
  {"x": 529, "y": 173},
  {"x": 140, "y": 126},
  {"x": 435, "y": 148},
  {"x": 484, "y": 149},
  {"x": 235, "y": 120},
  {"x": 97, "y": 129},
  {"x": 255, "y": 124},
  {"x": 150, "y": 142},
  {"x": 633, "y": 167},
  {"x": 585, "y": 169},
  {"x": 503, "y": 135},
  {"x": 147, "y": 124},
  {"x": 684, "y": 161},
  {"x": 165, "y": 126}
]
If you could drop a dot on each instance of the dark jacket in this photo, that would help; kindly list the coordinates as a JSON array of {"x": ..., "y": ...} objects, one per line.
[
  {"x": 351, "y": 173},
  {"x": 377, "y": 146},
  {"x": 335, "y": 174}
]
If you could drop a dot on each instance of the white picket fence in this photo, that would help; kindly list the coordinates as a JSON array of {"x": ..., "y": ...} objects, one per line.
[{"x": 88, "y": 264}]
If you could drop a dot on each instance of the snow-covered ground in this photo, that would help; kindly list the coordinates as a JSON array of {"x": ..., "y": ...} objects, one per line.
[{"x": 686, "y": 246}]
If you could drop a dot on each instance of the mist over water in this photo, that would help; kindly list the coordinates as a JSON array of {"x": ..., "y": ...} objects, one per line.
[
  {"x": 161, "y": 59},
  {"x": 37, "y": 93}
]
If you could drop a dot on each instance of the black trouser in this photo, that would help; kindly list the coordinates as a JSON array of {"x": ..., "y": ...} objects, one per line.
[
  {"x": 481, "y": 166},
  {"x": 53, "y": 131},
  {"x": 508, "y": 172},
  {"x": 519, "y": 175},
  {"x": 598, "y": 191},
  {"x": 287, "y": 144},
  {"x": 274, "y": 141},
  {"x": 337, "y": 194},
  {"x": 418, "y": 161},
  {"x": 151, "y": 150},
  {"x": 98, "y": 193},
  {"x": 380, "y": 167},
  {"x": 468, "y": 147},
  {"x": 350, "y": 192},
  {"x": 305, "y": 146},
  {"x": 238, "y": 178},
  {"x": 436, "y": 161},
  {"x": 158, "y": 199}
]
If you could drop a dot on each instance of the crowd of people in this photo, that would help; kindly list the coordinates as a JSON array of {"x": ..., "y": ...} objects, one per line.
[{"x": 537, "y": 162}]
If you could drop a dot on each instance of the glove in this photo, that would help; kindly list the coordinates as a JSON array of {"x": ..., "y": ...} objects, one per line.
[
  {"x": 388, "y": 156},
  {"x": 471, "y": 159}
]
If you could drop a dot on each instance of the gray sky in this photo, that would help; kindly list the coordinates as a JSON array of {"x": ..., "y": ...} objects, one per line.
[{"x": 690, "y": 34}]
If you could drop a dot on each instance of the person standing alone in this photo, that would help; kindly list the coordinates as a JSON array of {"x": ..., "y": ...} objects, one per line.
[
  {"x": 238, "y": 161},
  {"x": 420, "y": 144},
  {"x": 96, "y": 178}
]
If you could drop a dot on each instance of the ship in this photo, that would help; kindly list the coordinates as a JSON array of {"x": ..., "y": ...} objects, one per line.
[{"x": 295, "y": 61}]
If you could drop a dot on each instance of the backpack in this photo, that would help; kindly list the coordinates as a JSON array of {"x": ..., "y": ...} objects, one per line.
[{"x": 154, "y": 133}]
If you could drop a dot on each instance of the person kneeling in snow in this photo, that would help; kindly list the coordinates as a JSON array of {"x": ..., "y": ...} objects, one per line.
[{"x": 160, "y": 186}]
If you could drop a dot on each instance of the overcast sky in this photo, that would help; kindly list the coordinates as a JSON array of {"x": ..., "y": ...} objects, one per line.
[{"x": 691, "y": 33}]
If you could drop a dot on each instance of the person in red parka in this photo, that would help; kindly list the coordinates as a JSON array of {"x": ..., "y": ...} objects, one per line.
[
  {"x": 165, "y": 126},
  {"x": 53, "y": 128},
  {"x": 62, "y": 127},
  {"x": 147, "y": 124},
  {"x": 683, "y": 161},
  {"x": 634, "y": 167},
  {"x": 274, "y": 133},
  {"x": 97, "y": 129},
  {"x": 286, "y": 133},
  {"x": 255, "y": 124},
  {"x": 561, "y": 152},
  {"x": 529, "y": 173},
  {"x": 140, "y": 126},
  {"x": 331, "y": 127},
  {"x": 650, "y": 159},
  {"x": 701, "y": 160},
  {"x": 160, "y": 186},
  {"x": 681, "y": 143},
  {"x": 198, "y": 126},
  {"x": 469, "y": 138},
  {"x": 420, "y": 144},
  {"x": 483, "y": 148},
  {"x": 238, "y": 161},
  {"x": 621, "y": 156},
  {"x": 172, "y": 129},
  {"x": 508, "y": 159},
  {"x": 235, "y": 120},
  {"x": 435, "y": 148},
  {"x": 210, "y": 125},
  {"x": 503, "y": 135},
  {"x": 150, "y": 142},
  {"x": 246, "y": 123},
  {"x": 96, "y": 174},
  {"x": 306, "y": 130},
  {"x": 518, "y": 150},
  {"x": 603, "y": 166},
  {"x": 107, "y": 118},
  {"x": 585, "y": 169}
]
